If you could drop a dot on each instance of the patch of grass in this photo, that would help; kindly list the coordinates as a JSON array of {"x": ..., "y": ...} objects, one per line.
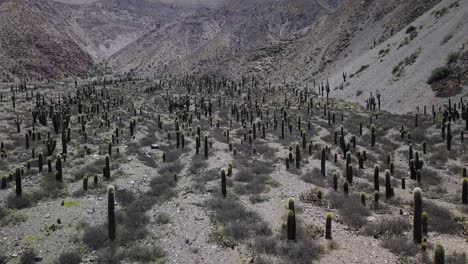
[{"x": 68, "y": 204}]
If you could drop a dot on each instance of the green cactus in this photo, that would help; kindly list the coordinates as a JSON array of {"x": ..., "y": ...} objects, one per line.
[
  {"x": 58, "y": 168},
  {"x": 291, "y": 204},
  {"x": 439, "y": 254},
  {"x": 323, "y": 158},
  {"x": 465, "y": 191},
  {"x": 363, "y": 198},
  {"x": 4, "y": 182},
  {"x": 291, "y": 224},
  {"x": 349, "y": 174},
  {"x": 111, "y": 211},
  {"x": 206, "y": 147},
  {"x": 298, "y": 156},
  {"x": 85, "y": 182},
  {"x": 40, "y": 161},
  {"x": 19, "y": 190},
  {"x": 376, "y": 199},
  {"x": 417, "y": 220},
  {"x": 424, "y": 223},
  {"x": 106, "y": 169},
  {"x": 346, "y": 188},
  {"x": 335, "y": 181},
  {"x": 223, "y": 183},
  {"x": 388, "y": 185},
  {"x": 376, "y": 177},
  {"x": 328, "y": 226}
]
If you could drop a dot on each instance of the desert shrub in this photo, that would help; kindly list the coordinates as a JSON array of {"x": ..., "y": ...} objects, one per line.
[
  {"x": 302, "y": 251},
  {"x": 314, "y": 177},
  {"x": 452, "y": 57},
  {"x": 171, "y": 168},
  {"x": 95, "y": 236},
  {"x": 163, "y": 218},
  {"x": 351, "y": 211},
  {"x": 69, "y": 258},
  {"x": 28, "y": 256},
  {"x": 401, "y": 246},
  {"x": 124, "y": 196},
  {"x": 446, "y": 38},
  {"x": 266, "y": 244},
  {"x": 234, "y": 222},
  {"x": 456, "y": 258},
  {"x": 18, "y": 202},
  {"x": 388, "y": 228},
  {"x": 410, "y": 29},
  {"x": 440, "y": 219},
  {"x": 439, "y": 74},
  {"x": 144, "y": 254}
]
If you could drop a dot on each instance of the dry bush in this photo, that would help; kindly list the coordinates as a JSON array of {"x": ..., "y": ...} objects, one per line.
[
  {"x": 351, "y": 211},
  {"x": 388, "y": 228},
  {"x": 401, "y": 246}
]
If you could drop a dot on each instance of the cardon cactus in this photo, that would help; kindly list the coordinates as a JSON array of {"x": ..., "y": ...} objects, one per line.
[
  {"x": 19, "y": 190},
  {"x": 465, "y": 191},
  {"x": 417, "y": 220},
  {"x": 223, "y": 183},
  {"x": 328, "y": 226},
  {"x": 439, "y": 254},
  {"x": 291, "y": 225},
  {"x": 111, "y": 211}
]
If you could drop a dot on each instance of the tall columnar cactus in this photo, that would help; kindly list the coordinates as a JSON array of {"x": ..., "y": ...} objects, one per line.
[
  {"x": 349, "y": 174},
  {"x": 58, "y": 169},
  {"x": 417, "y": 220},
  {"x": 85, "y": 182},
  {"x": 106, "y": 169},
  {"x": 40, "y": 161},
  {"x": 449, "y": 136},
  {"x": 388, "y": 185},
  {"x": 323, "y": 159},
  {"x": 328, "y": 226},
  {"x": 111, "y": 211},
  {"x": 363, "y": 198},
  {"x": 439, "y": 254},
  {"x": 19, "y": 190},
  {"x": 335, "y": 181},
  {"x": 465, "y": 191},
  {"x": 346, "y": 188},
  {"x": 223, "y": 183},
  {"x": 372, "y": 136},
  {"x": 298, "y": 156},
  {"x": 197, "y": 145},
  {"x": 4, "y": 182},
  {"x": 376, "y": 177},
  {"x": 291, "y": 204},
  {"x": 206, "y": 147},
  {"x": 291, "y": 225},
  {"x": 424, "y": 223}
]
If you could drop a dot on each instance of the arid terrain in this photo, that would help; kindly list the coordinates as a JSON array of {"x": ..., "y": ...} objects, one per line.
[{"x": 270, "y": 131}]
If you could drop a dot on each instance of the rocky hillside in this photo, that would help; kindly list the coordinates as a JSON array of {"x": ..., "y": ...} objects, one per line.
[
  {"x": 33, "y": 46},
  {"x": 208, "y": 41}
]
